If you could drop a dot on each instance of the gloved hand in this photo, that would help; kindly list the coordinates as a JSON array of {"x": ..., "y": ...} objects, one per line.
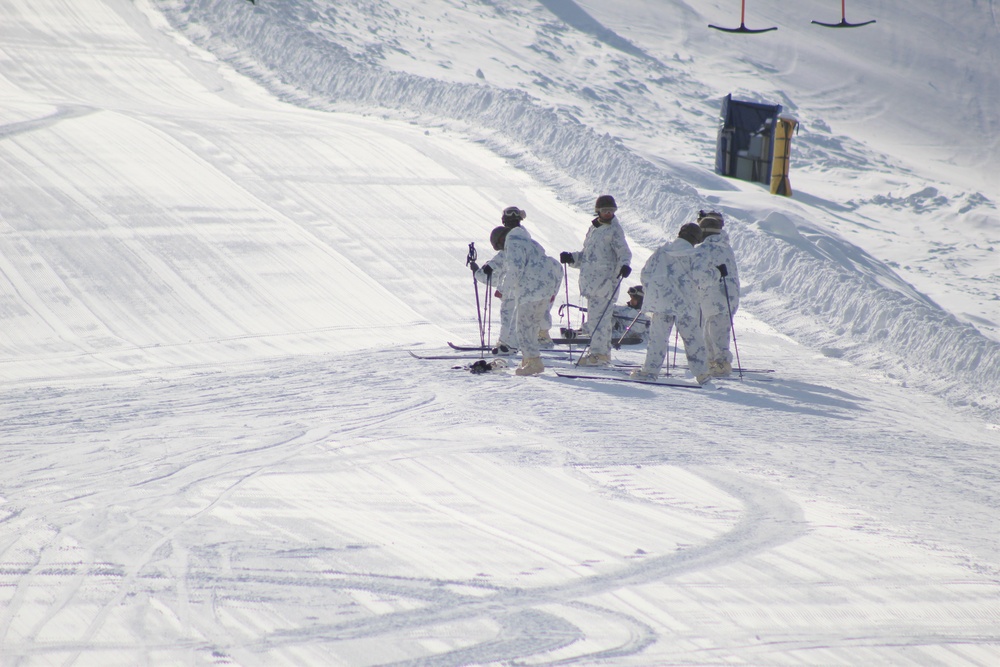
[
  {"x": 488, "y": 270},
  {"x": 626, "y": 271},
  {"x": 723, "y": 270},
  {"x": 473, "y": 266},
  {"x": 566, "y": 257}
]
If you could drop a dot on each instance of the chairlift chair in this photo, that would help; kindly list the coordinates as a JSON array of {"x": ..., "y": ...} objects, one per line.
[
  {"x": 843, "y": 19},
  {"x": 743, "y": 26}
]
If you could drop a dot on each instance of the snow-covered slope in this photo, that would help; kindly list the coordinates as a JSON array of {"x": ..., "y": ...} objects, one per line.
[
  {"x": 215, "y": 450},
  {"x": 559, "y": 80}
]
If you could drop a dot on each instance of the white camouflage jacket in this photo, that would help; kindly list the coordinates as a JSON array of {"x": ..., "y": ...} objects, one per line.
[
  {"x": 605, "y": 251},
  {"x": 499, "y": 272},
  {"x": 529, "y": 274},
  {"x": 717, "y": 250},
  {"x": 674, "y": 277}
]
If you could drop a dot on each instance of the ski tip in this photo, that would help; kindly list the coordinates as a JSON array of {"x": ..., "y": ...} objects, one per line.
[{"x": 661, "y": 382}]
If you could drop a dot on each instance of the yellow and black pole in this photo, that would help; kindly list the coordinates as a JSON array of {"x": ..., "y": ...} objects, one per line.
[{"x": 781, "y": 163}]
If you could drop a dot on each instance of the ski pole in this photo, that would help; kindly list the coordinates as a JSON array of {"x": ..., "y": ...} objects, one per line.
[
  {"x": 567, "y": 306},
  {"x": 677, "y": 333},
  {"x": 593, "y": 329},
  {"x": 618, "y": 345},
  {"x": 470, "y": 258},
  {"x": 489, "y": 310},
  {"x": 569, "y": 325},
  {"x": 732, "y": 326},
  {"x": 479, "y": 314}
]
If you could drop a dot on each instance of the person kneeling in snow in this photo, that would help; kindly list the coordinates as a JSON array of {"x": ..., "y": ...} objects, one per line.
[
  {"x": 629, "y": 326},
  {"x": 531, "y": 281},
  {"x": 672, "y": 280}
]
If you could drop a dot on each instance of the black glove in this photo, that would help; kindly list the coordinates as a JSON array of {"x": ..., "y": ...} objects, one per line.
[
  {"x": 723, "y": 270},
  {"x": 566, "y": 257},
  {"x": 473, "y": 266},
  {"x": 488, "y": 270},
  {"x": 626, "y": 271}
]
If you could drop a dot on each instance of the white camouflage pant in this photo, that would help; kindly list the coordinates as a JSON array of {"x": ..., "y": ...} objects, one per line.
[
  {"x": 690, "y": 332},
  {"x": 600, "y": 338},
  {"x": 717, "y": 329},
  {"x": 531, "y": 317},
  {"x": 507, "y": 325},
  {"x": 509, "y": 332}
]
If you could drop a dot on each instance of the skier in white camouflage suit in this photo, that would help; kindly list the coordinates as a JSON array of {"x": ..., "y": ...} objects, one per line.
[
  {"x": 672, "y": 279},
  {"x": 531, "y": 280},
  {"x": 603, "y": 262},
  {"x": 494, "y": 271},
  {"x": 721, "y": 297}
]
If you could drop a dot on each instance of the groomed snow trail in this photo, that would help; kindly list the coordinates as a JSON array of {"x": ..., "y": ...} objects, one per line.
[
  {"x": 275, "y": 512},
  {"x": 214, "y": 448}
]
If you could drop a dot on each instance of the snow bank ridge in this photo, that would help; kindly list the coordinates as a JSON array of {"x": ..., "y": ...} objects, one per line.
[
  {"x": 817, "y": 287},
  {"x": 840, "y": 300}
]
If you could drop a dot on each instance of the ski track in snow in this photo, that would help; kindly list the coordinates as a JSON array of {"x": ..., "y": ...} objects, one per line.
[
  {"x": 164, "y": 500},
  {"x": 556, "y": 599}
]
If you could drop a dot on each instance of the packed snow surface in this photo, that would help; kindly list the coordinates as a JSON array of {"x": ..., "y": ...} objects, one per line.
[{"x": 225, "y": 224}]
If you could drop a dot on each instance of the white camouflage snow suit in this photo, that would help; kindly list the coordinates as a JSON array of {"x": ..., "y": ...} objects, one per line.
[
  {"x": 624, "y": 316},
  {"x": 672, "y": 279},
  {"x": 531, "y": 280},
  {"x": 605, "y": 251},
  {"x": 715, "y": 311}
]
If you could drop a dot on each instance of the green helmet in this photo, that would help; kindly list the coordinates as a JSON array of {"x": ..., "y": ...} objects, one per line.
[{"x": 498, "y": 236}]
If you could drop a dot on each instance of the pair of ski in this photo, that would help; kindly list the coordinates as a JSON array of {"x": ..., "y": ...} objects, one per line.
[
  {"x": 733, "y": 375},
  {"x": 580, "y": 342},
  {"x": 621, "y": 373},
  {"x": 485, "y": 353},
  {"x": 617, "y": 374}
]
